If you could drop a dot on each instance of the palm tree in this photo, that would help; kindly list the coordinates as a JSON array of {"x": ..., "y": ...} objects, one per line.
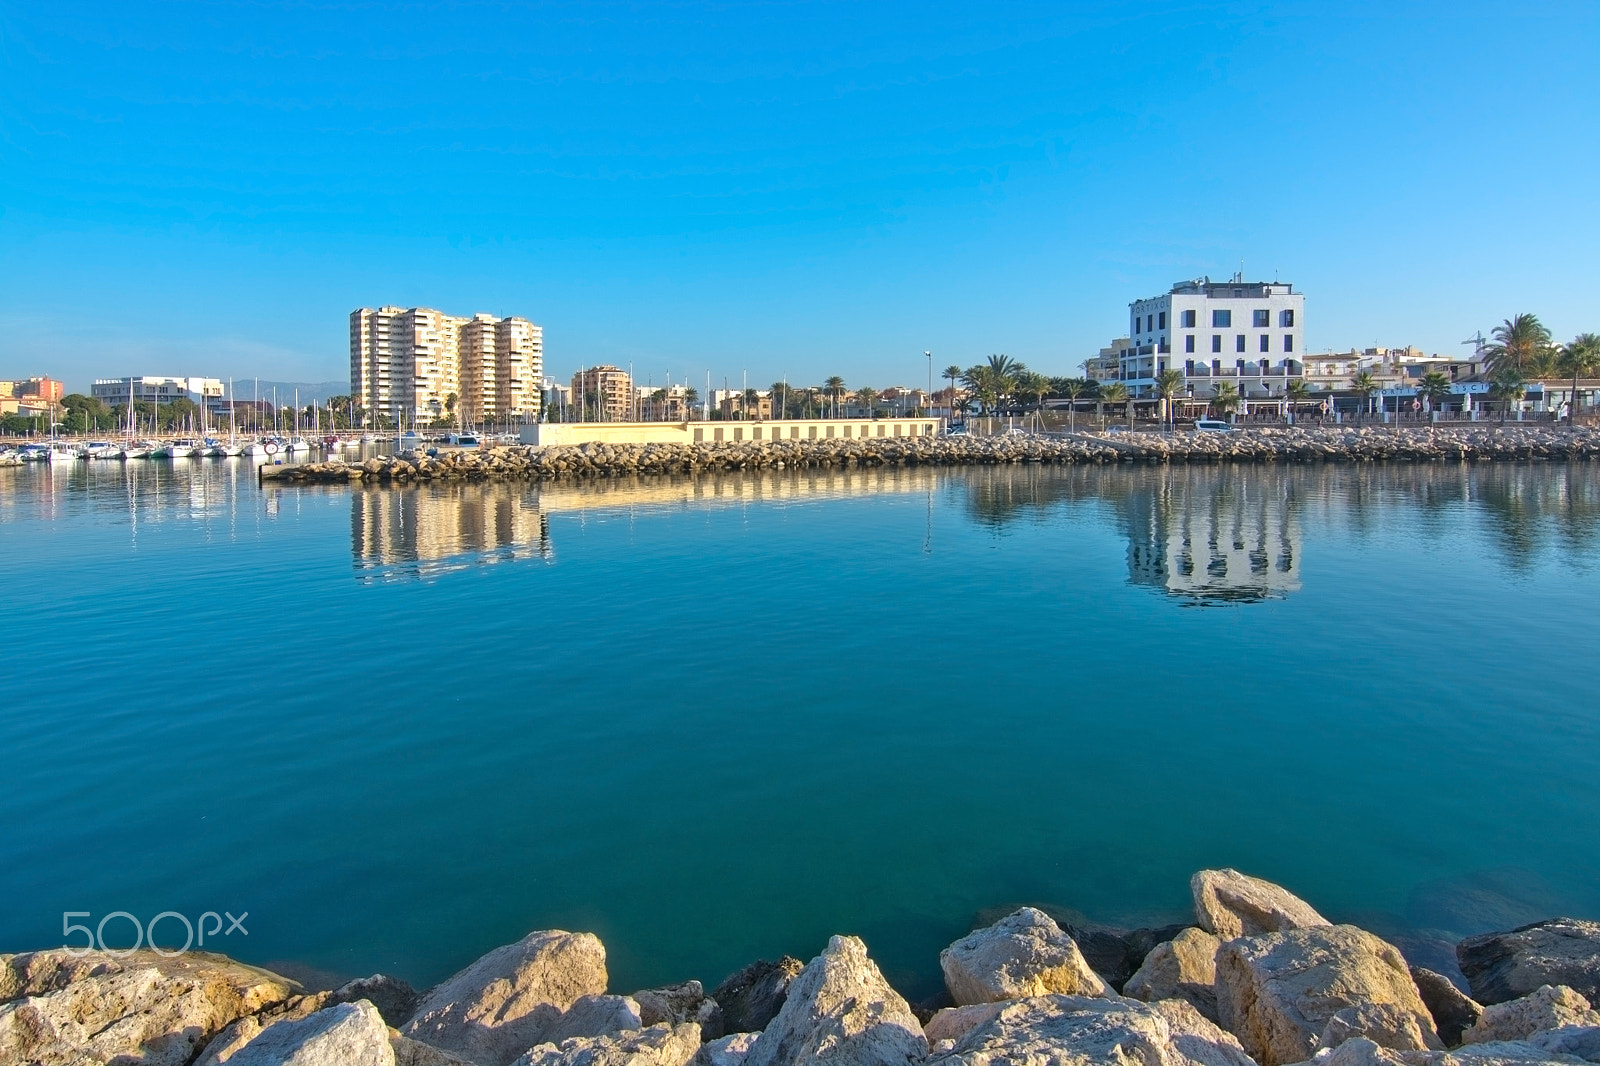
[
  {"x": 691, "y": 396},
  {"x": 658, "y": 404},
  {"x": 1507, "y": 385},
  {"x": 953, "y": 373},
  {"x": 1114, "y": 393},
  {"x": 1071, "y": 388},
  {"x": 1225, "y": 398},
  {"x": 751, "y": 398},
  {"x": 835, "y": 389},
  {"x": 1434, "y": 387},
  {"x": 979, "y": 381},
  {"x": 1168, "y": 384},
  {"x": 1519, "y": 344},
  {"x": 1005, "y": 371},
  {"x": 1029, "y": 383},
  {"x": 1298, "y": 393},
  {"x": 1365, "y": 385},
  {"x": 780, "y": 399},
  {"x": 867, "y": 396},
  {"x": 1581, "y": 359}
]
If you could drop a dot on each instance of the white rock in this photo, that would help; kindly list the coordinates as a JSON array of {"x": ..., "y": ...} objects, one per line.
[
  {"x": 140, "y": 1008},
  {"x": 1278, "y": 992},
  {"x": 1184, "y": 967},
  {"x": 344, "y": 1035},
  {"x": 1230, "y": 904},
  {"x": 953, "y": 1023},
  {"x": 1548, "y": 1007},
  {"x": 1092, "y": 1031},
  {"x": 594, "y": 1016},
  {"x": 840, "y": 1011},
  {"x": 503, "y": 1003},
  {"x": 658, "y": 1045},
  {"x": 726, "y": 1051},
  {"x": 1023, "y": 954}
]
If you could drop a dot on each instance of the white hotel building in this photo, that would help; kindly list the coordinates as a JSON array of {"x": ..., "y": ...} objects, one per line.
[{"x": 1248, "y": 333}]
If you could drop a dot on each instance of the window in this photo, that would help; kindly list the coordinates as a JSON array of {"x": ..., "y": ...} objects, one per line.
[
  {"x": 794, "y": 432},
  {"x": 1161, "y": 320},
  {"x": 1188, "y": 319},
  {"x": 1266, "y": 345},
  {"x": 1286, "y": 319},
  {"x": 738, "y": 434},
  {"x": 811, "y": 432},
  {"x": 1238, "y": 343},
  {"x": 1263, "y": 318},
  {"x": 756, "y": 433},
  {"x": 1216, "y": 342},
  {"x": 846, "y": 431},
  {"x": 699, "y": 435},
  {"x": 1221, "y": 319},
  {"x": 1188, "y": 343},
  {"x": 1288, "y": 342}
]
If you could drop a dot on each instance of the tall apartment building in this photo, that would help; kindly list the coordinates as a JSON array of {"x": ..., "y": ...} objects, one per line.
[
  {"x": 405, "y": 363},
  {"x": 607, "y": 389},
  {"x": 1248, "y": 332}
]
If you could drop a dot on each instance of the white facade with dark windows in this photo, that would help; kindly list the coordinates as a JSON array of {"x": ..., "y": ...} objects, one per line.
[{"x": 1249, "y": 333}]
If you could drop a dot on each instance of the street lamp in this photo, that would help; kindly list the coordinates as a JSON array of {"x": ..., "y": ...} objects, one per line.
[{"x": 930, "y": 382}]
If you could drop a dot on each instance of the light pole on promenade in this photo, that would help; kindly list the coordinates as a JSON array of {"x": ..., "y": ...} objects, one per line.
[{"x": 930, "y": 383}]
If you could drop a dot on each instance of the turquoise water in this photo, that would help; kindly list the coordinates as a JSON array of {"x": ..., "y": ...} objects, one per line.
[{"x": 718, "y": 719}]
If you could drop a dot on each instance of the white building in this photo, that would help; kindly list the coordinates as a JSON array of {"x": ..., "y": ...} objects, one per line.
[
  {"x": 1248, "y": 333},
  {"x": 148, "y": 388},
  {"x": 407, "y": 363}
]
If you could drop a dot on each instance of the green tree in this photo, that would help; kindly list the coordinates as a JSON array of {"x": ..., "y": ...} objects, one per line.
[
  {"x": 1114, "y": 394},
  {"x": 691, "y": 397},
  {"x": 1365, "y": 386},
  {"x": 953, "y": 374},
  {"x": 1168, "y": 384},
  {"x": 1581, "y": 359},
  {"x": 1071, "y": 388},
  {"x": 835, "y": 391},
  {"x": 1434, "y": 387},
  {"x": 1225, "y": 398},
  {"x": 1508, "y": 386},
  {"x": 867, "y": 397},
  {"x": 1520, "y": 344}
]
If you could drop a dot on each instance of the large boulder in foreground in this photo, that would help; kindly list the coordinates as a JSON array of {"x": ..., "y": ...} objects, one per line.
[
  {"x": 1504, "y": 966},
  {"x": 841, "y": 1012},
  {"x": 1185, "y": 968},
  {"x": 1548, "y": 1007},
  {"x": 751, "y": 997},
  {"x": 1091, "y": 1031},
  {"x": 657, "y": 1045},
  {"x": 141, "y": 1008},
  {"x": 1023, "y": 954},
  {"x": 502, "y": 1004},
  {"x": 342, "y": 1035},
  {"x": 1280, "y": 993},
  {"x": 1230, "y": 904}
]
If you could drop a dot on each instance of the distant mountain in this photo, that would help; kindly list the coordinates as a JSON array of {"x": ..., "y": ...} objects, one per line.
[{"x": 310, "y": 391}]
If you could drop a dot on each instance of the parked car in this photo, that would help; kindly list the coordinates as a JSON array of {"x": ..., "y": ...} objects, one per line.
[
  {"x": 1212, "y": 425},
  {"x": 1118, "y": 429}
]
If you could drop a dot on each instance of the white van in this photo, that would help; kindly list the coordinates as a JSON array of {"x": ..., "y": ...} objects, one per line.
[{"x": 1211, "y": 425}]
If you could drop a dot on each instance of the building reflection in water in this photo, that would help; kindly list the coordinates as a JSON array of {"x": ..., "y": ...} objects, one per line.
[
  {"x": 431, "y": 530},
  {"x": 1214, "y": 536}
]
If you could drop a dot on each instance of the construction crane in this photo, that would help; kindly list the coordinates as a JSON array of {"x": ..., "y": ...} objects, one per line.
[{"x": 1476, "y": 342}]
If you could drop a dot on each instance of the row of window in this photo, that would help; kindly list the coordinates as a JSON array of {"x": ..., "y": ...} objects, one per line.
[
  {"x": 1261, "y": 318},
  {"x": 1264, "y": 345}
]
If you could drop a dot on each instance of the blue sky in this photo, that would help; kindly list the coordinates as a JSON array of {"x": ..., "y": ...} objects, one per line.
[{"x": 796, "y": 189}]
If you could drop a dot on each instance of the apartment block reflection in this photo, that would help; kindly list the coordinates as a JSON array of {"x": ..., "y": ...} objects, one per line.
[
  {"x": 439, "y": 529},
  {"x": 1233, "y": 538}
]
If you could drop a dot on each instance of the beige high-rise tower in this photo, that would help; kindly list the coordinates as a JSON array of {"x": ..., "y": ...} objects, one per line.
[{"x": 407, "y": 363}]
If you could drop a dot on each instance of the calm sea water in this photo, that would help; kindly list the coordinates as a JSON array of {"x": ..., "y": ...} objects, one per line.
[{"x": 723, "y": 718}]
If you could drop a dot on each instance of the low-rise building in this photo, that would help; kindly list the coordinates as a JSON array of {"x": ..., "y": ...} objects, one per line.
[{"x": 209, "y": 393}]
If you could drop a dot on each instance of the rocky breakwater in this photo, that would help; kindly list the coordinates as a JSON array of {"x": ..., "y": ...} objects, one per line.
[
  {"x": 1249, "y": 446},
  {"x": 1260, "y": 979}
]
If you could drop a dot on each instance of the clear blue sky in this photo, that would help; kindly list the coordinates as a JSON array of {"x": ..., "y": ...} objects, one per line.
[{"x": 779, "y": 188}]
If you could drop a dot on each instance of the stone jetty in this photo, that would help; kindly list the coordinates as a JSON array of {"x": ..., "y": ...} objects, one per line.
[
  {"x": 1344, "y": 445},
  {"x": 1259, "y": 979}
]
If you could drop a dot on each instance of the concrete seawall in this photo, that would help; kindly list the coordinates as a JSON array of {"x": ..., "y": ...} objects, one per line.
[{"x": 1478, "y": 443}]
